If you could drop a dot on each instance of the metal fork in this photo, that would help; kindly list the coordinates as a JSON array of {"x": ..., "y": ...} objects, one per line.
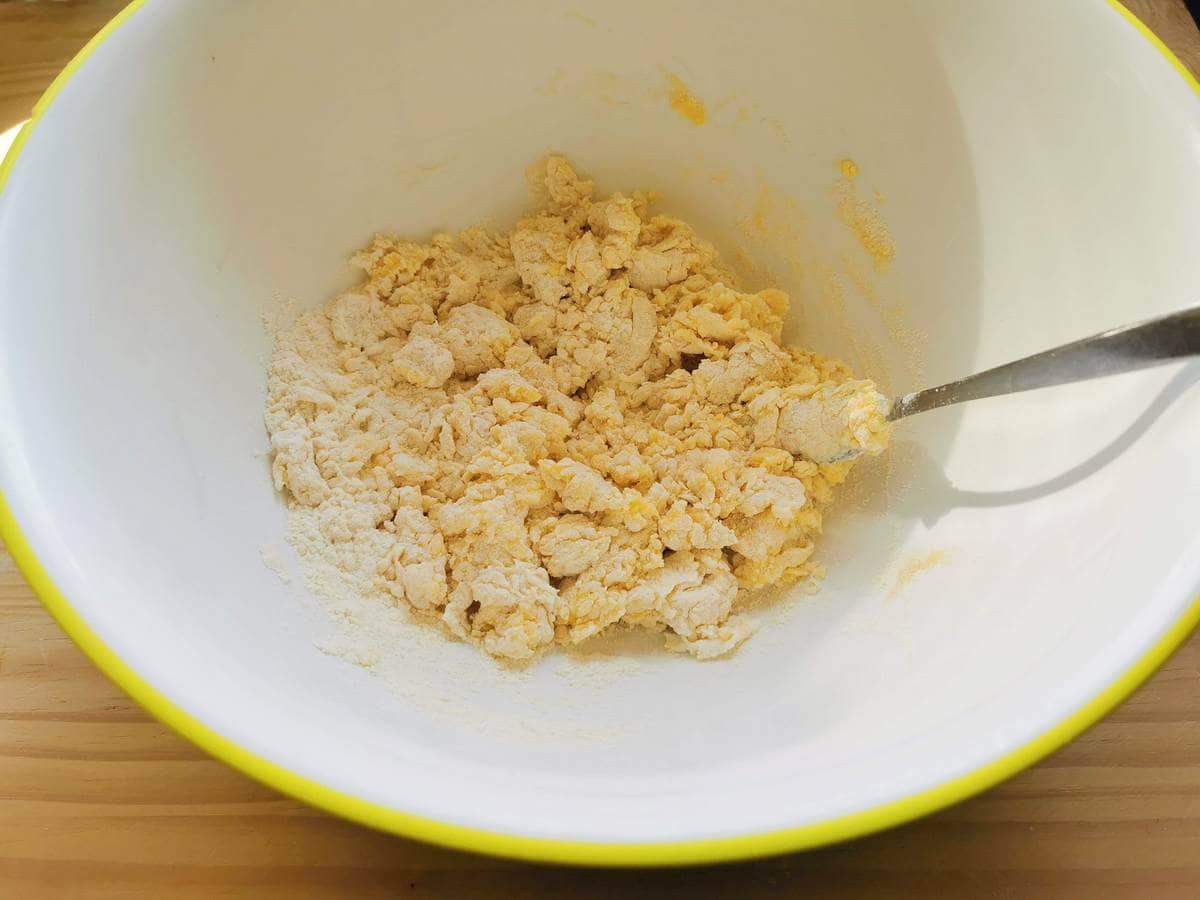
[{"x": 1141, "y": 345}]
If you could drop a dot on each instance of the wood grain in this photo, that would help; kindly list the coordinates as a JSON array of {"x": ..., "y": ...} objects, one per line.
[{"x": 98, "y": 800}]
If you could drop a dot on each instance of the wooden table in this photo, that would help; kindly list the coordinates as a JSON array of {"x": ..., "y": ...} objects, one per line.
[{"x": 99, "y": 800}]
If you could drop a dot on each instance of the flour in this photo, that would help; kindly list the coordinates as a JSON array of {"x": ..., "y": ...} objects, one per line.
[{"x": 529, "y": 438}]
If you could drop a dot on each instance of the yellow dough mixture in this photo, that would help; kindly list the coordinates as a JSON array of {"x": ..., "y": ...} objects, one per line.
[{"x": 531, "y": 437}]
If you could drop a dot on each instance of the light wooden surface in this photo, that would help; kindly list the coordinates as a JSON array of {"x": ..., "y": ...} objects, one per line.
[{"x": 99, "y": 800}]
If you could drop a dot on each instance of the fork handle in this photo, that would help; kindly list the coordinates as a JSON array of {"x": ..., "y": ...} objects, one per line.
[{"x": 1125, "y": 349}]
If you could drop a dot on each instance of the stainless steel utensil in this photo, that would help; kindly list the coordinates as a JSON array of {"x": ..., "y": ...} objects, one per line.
[
  {"x": 1138, "y": 346},
  {"x": 1125, "y": 349}
]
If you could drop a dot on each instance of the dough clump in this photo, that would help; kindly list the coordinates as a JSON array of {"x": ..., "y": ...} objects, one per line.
[{"x": 533, "y": 436}]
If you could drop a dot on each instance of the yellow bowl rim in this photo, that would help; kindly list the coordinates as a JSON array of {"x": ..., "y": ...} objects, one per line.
[{"x": 384, "y": 818}]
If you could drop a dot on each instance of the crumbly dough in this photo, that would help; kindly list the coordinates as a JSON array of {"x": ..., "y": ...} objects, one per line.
[
  {"x": 534, "y": 436},
  {"x": 837, "y": 422}
]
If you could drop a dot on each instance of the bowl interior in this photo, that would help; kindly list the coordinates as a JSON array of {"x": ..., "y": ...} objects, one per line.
[{"x": 999, "y": 568}]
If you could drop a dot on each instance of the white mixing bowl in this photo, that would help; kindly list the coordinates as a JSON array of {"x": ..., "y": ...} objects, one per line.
[{"x": 1010, "y": 572}]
